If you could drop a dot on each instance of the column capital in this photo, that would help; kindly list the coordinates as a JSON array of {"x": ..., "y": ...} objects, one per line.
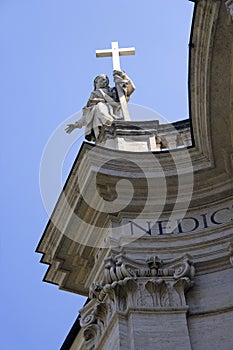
[{"x": 130, "y": 286}]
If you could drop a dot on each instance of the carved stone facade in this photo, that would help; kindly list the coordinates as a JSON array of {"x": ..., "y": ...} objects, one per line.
[
  {"x": 134, "y": 287},
  {"x": 146, "y": 135},
  {"x": 143, "y": 290}
]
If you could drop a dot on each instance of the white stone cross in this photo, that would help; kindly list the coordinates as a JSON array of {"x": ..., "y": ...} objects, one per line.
[{"x": 115, "y": 52}]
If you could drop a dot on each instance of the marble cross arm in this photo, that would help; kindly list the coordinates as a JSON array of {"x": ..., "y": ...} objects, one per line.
[{"x": 122, "y": 52}]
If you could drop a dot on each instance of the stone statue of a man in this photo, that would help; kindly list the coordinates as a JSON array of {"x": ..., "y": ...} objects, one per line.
[{"x": 103, "y": 106}]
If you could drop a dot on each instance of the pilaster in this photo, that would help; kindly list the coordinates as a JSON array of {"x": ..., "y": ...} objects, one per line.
[{"x": 136, "y": 297}]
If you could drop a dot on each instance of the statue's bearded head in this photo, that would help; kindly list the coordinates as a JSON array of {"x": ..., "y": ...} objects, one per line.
[{"x": 101, "y": 81}]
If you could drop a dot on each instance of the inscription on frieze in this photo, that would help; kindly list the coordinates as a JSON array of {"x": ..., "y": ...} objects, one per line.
[{"x": 199, "y": 222}]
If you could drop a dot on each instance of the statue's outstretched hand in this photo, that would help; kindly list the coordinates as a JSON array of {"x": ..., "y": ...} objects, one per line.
[{"x": 70, "y": 128}]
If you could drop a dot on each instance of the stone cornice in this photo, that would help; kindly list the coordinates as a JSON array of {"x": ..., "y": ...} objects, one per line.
[
  {"x": 61, "y": 236},
  {"x": 71, "y": 252}
]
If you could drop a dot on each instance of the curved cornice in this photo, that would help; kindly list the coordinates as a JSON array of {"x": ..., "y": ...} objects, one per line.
[
  {"x": 211, "y": 86},
  {"x": 210, "y": 90},
  {"x": 201, "y": 51}
]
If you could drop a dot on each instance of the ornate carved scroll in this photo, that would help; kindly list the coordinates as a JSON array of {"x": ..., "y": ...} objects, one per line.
[{"x": 144, "y": 285}]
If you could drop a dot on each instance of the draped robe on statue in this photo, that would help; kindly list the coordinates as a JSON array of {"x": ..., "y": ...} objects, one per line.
[{"x": 103, "y": 107}]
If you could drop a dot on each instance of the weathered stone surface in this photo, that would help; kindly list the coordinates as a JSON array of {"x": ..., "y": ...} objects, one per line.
[
  {"x": 144, "y": 136},
  {"x": 134, "y": 304},
  {"x": 211, "y": 331},
  {"x": 138, "y": 295}
]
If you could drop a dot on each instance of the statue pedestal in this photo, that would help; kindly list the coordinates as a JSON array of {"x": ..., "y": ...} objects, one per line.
[
  {"x": 145, "y": 136},
  {"x": 134, "y": 136}
]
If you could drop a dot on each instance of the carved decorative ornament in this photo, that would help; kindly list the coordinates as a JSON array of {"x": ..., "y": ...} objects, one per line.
[{"x": 152, "y": 285}]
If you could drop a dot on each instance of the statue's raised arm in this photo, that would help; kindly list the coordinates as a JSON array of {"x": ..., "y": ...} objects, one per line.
[
  {"x": 121, "y": 78},
  {"x": 103, "y": 105}
]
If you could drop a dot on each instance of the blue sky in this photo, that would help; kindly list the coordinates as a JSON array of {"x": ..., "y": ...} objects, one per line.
[{"x": 47, "y": 68}]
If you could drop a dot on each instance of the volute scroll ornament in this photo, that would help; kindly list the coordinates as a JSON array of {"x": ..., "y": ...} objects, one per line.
[
  {"x": 120, "y": 272},
  {"x": 135, "y": 285}
]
